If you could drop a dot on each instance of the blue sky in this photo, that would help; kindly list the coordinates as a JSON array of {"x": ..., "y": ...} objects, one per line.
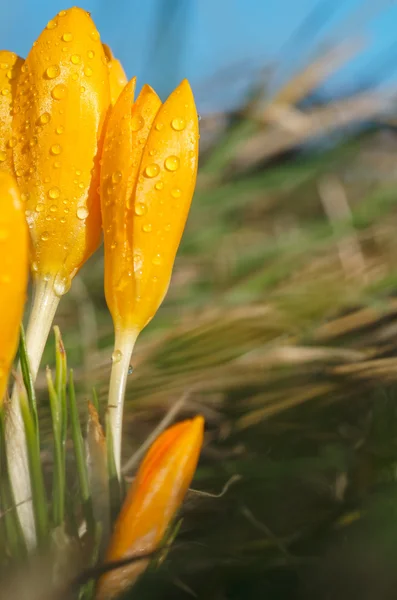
[{"x": 222, "y": 45}]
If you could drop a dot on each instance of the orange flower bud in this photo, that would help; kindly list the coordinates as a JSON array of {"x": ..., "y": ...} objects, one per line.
[
  {"x": 117, "y": 77},
  {"x": 156, "y": 494},
  {"x": 147, "y": 181},
  {"x": 61, "y": 103},
  {"x": 10, "y": 66},
  {"x": 13, "y": 272}
]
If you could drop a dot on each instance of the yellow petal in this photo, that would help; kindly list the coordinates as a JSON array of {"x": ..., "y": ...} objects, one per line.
[
  {"x": 140, "y": 249},
  {"x": 169, "y": 162},
  {"x": 61, "y": 104},
  {"x": 13, "y": 272},
  {"x": 126, "y": 134},
  {"x": 117, "y": 77},
  {"x": 10, "y": 67},
  {"x": 156, "y": 494}
]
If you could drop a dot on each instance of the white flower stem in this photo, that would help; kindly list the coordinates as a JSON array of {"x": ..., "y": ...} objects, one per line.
[
  {"x": 45, "y": 303},
  {"x": 123, "y": 347}
]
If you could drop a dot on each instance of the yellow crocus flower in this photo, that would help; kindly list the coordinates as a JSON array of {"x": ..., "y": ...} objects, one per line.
[
  {"x": 10, "y": 67},
  {"x": 61, "y": 103},
  {"x": 13, "y": 273},
  {"x": 158, "y": 490},
  {"x": 148, "y": 176}
]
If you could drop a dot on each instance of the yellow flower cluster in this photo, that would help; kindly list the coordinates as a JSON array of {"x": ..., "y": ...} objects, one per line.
[{"x": 78, "y": 155}]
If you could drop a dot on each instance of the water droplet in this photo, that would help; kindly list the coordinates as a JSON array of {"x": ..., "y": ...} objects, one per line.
[
  {"x": 159, "y": 185},
  {"x": 59, "y": 91},
  {"x": 137, "y": 123},
  {"x": 117, "y": 177},
  {"x": 152, "y": 170},
  {"x": 12, "y": 142},
  {"x": 56, "y": 149},
  {"x": 130, "y": 369},
  {"x": 62, "y": 284},
  {"x": 54, "y": 193},
  {"x": 82, "y": 212},
  {"x": 67, "y": 37},
  {"x": 75, "y": 59},
  {"x": 40, "y": 207},
  {"x": 88, "y": 71},
  {"x": 3, "y": 156},
  {"x": 117, "y": 355},
  {"x": 57, "y": 164},
  {"x": 53, "y": 208},
  {"x": 51, "y": 24},
  {"x": 157, "y": 260},
  {"x": 91, "y": 54},
  {"x": 176, "y": 193},
  {"x": 167, "y": 227},
  {"x": 59, "y": 130},
  {"x": 140, "y": 209},
  {"x": 35, "y": 267},
  {"x": 52, "y": 71},
  {"x": 147, "y": 228},
  {"x": 159, "y": 126},
  {"x": 62, "y": 13},
  {"x": 171, "y": 163},
  {"x": 95, "y": 35},
  {"x": 19, "y": 172},
  {"x": 44, "y": 236},
  {"x": 11, "y": 74},
  {"x": 44, "y": 118},
  {"x": 178, "y": 124},
  {"x": 5, "y": 91}
]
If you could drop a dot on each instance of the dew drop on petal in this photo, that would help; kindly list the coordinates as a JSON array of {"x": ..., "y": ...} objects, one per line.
[
  {"x": 59, "y": 91},
  {"x": 75, "y": 59},
  {"x": 176, "y": 193},
  {"x": 117, "y": 177},
  {"x": 159, "y": 185},
  {"x": 56, "y": 149},
  {"x": 178, "y": 124},
  {"x": 147, "y": 228},
  {"x": 152, "y": 170},
  {"x": 137, "y": 123},
  {"x": 171, "y": 163},
  {"x": 67, "y": 37},
  {"x": 53, "y": 193},
  {"x": 82, "y": 212},
  {"x": 140, "y": 209},
  {"x": 44, "y": 118},
  {"x": 52, "y": 71}
]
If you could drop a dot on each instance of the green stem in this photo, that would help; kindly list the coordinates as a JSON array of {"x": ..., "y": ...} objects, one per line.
[
  {"x": 45, "y": 303},
  {"x": 123, "y": 347}
]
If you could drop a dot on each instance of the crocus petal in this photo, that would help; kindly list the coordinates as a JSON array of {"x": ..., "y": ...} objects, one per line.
[
  {"x": 10, "y": 67},
  {"x": 146, "y": 215},
  {"x": 60, "y": 107},
  {"x": 127, "y": 131},
  {"x": 117, "y": 77},
  {"x": 156, "y": 494},
  {"x": 13, "y": 272}
]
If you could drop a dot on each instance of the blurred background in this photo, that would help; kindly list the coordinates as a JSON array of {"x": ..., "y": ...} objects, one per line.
[{"x": 280, "y": 325}]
